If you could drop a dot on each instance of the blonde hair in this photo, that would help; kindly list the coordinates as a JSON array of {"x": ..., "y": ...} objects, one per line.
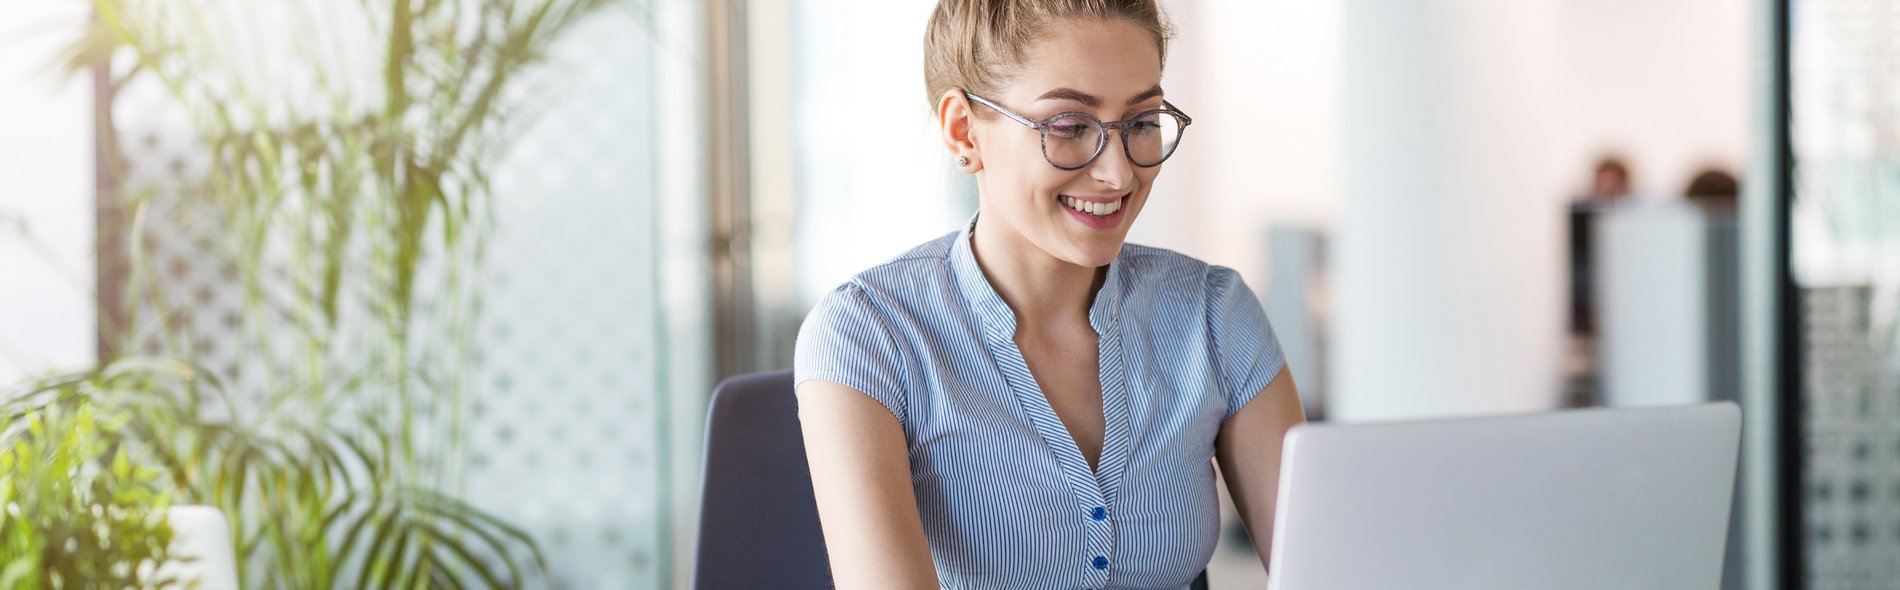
[{"x": 977, "y": 45}]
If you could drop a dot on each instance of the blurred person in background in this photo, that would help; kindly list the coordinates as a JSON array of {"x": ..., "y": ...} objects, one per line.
[
  {"x": 1029, "y": 402},
  {"x": 1714, "y": 188},
  {"x": 1611, "y": 181}
]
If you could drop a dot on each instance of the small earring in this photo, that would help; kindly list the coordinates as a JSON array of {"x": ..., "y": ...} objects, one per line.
[{"x": 963, "y": 161}]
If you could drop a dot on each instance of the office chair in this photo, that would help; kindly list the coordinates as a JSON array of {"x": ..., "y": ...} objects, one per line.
[{"x": 758, "y": 522}]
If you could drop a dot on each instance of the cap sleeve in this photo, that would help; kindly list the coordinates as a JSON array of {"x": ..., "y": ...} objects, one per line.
[
  {"x": 1246, "y": 353},
  {"x": 844, "y": 340}
]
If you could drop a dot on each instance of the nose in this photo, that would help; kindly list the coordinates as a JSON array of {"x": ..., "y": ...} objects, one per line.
[{"x": 1112, "y": 168}]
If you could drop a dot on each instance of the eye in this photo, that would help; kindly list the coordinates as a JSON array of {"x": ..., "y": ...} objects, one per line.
[
  {"x": 1071, "y": 127},
  {"x": 1145, "y": 125}
]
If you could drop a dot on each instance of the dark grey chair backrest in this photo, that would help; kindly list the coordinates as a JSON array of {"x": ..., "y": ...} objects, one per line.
[{"x": 758, "y": 522}]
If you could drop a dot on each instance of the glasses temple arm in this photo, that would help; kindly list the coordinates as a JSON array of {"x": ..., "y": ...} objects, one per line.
[
  {"x": 1006, "y": 112},
  {"x": 1185, "y": 119}
]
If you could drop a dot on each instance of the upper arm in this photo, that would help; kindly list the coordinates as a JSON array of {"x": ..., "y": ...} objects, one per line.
[
  {"x": 847, "y": 341},
  {"x": 1262, "y": 401},
  {"x": 852, "y": 403},
  {"x": 860, "y": 471},
  {"x": 1248, "y": 450},
  {"x": 1245, "y": 351}
]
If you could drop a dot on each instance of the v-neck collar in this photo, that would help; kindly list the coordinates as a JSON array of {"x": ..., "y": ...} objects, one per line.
[
  {"x": 1097, "y": 487},
  {"x": 1104, "y": 312}
]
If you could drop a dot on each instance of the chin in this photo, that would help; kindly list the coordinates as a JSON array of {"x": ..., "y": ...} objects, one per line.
[
  {"x": 1093, "y": 256},
  {"x": 1093, "y": 248}
]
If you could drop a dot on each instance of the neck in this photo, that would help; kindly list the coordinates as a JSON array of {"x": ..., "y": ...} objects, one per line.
[{"x": 1042, "y": 290}]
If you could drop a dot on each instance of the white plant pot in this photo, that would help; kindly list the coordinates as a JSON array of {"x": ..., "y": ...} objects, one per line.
[{"x": 200, "y": 549}]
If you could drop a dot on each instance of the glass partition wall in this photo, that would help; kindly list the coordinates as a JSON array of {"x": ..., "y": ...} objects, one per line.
[{"x": 1844, "y": 224}]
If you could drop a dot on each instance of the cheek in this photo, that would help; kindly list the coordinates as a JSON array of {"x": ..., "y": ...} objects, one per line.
[
  {"x": 1146, "y": 178},
  {"x": 1025, "y": 150},
  {"x": 1024, "y": 173}
]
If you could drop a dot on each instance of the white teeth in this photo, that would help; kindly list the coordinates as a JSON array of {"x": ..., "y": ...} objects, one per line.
[{"x": 1092, "y": 207}]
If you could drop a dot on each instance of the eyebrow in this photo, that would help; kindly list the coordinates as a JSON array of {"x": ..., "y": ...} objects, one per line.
[{"x": 1090, "y": 100}]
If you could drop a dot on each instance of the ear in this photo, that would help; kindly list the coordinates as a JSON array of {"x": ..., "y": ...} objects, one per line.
[{"x": 958, "y": 127}]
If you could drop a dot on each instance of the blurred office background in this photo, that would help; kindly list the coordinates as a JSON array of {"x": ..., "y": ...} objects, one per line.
[{"x": 1448, "y": 208}]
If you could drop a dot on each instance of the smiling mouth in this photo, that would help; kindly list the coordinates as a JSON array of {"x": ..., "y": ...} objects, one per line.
[{"x": 1096, "y": 208}]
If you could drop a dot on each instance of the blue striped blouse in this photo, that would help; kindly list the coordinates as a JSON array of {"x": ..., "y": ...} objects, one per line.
[{"x": 1007, "y": 499}]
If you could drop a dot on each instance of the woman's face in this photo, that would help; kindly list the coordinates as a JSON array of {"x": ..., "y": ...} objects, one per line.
[{"x": 1107, "y": 68}]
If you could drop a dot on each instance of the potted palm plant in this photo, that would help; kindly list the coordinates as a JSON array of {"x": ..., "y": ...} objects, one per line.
[{"x": 348, "y": 214}]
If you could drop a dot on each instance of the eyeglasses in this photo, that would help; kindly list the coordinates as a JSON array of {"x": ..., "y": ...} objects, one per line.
[{"x": 1072, "y": 140}]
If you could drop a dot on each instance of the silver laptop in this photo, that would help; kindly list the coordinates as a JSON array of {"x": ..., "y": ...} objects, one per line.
[{"x": 1584, "y": 499}]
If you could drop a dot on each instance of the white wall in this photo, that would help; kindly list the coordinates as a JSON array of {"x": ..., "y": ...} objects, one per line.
[
  {"x": 1261, "y": 80},
  {"x": 1448, "y": 266},
  {"x": 1467, "y": 126},
  {"x": 46, "y": 196},
  {"x": 1664, "y": 82}
]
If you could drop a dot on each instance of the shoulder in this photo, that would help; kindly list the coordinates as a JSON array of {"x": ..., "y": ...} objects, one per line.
[
  {"x": 904, "y": 276},
  {"x": 1158, "y": 269},
  {"x": 891, "y": 291},
  {"x": 862, "y": 333}
]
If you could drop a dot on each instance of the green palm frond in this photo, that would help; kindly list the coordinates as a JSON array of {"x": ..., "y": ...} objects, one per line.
[
  {"x": 338, "y": 209},
  {"x": 310, "y": 508}
]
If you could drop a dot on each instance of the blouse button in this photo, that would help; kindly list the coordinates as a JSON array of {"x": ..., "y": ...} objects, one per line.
[
  {"x": 1099, "y": 513},
  {"x": 1101, "y": 563}
]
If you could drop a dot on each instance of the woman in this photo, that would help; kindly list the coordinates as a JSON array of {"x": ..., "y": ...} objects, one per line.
[{"x": 1028, "y": 402}]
